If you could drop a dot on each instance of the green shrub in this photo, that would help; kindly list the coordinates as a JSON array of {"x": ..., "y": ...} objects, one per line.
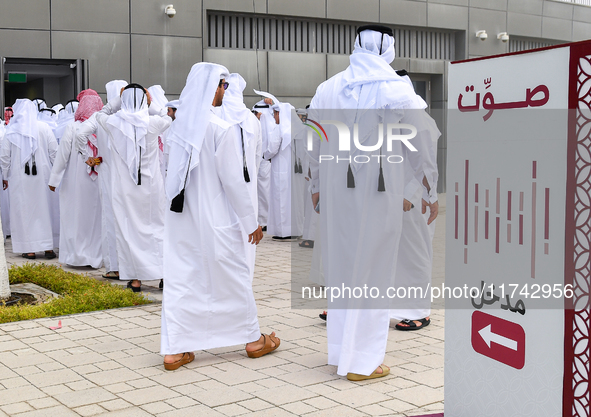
[{"x": 80, "y": 293}]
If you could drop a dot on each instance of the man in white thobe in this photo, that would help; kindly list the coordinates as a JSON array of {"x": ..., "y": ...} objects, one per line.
[
  {"x": 265, "y": 115},
  {"x": 47, "y": 116},
  {"x": 361, "y": 204},
  {"x": 109, "y": 239},
  {"x": 208, "y": 300},
  {"x": 4, "y": 192},
  {"x": 136, "y": 181},
  {"x": 80, "y": 234},
  {"x": 278, "y": 151},
  {"x": 415, "y": 255},
  {"x": 248, "y": 146},
  {"x": 27, "y": 153},
  {"x": 64, "y": 118}
]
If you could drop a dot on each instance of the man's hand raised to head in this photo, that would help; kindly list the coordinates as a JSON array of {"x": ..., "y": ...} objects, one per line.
[
  {"x": 433, "y": 210},
  {"x": 256, "y": 236}
]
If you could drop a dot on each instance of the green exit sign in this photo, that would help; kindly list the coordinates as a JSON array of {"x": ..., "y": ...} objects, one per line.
[{"x": 17, "y": 77}]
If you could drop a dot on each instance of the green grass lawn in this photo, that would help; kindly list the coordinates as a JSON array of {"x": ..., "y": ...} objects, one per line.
[{"x": 80, "y": 293}]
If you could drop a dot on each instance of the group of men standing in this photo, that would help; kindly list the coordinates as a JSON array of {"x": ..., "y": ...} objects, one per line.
[{"x": 186, "y": 200}]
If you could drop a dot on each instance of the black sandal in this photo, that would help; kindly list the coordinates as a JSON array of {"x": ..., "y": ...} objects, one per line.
[
  {"x": 134, "y": 289},
  {"x": 29, "y": 255},
  {"x": 411, "y": 325},
  {"x": 50, "y": 255},
  {"x": 323, "y": 315},
  {"x": 307, "y": 244}
]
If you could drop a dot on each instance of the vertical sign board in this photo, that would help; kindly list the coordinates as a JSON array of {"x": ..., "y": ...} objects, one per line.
[{"x": 518, "y": 233}]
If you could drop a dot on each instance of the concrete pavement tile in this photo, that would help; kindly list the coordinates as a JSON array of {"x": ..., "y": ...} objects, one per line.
[
  {"x": 51, "y": 366},
  {"x": 419, "y": 395},
  {"x": 432, "y": 378},
  {"x": 284, "y": 394},
  {"x": 231, "y": 410},
  {"x": 56, "y": 389},
  {"x": 307, "y": 377},
  {"x": 111, "y": 346},
  {"x": 84, "y": 397},
  {"x": 90, "y": 410},
  {"x": 118, "y": 388},
  {"x": 13, "y": 361},
  {"x": 217, "y": 397},
  {"x": 299, "y": 408},
  {"x": 142, "y": 383},
  {"x": 15, "y": 408},
  {"x": 81, "y": 385},
  {"x": 181, "y": 402},
  {"x": 115, "y": 405},
  {"x": 157, "y": 407},
  {"x": 113, "y": 376},
  {"x": 127, "y": 412},
  {"x": 62, "y": 343},
  {"x": 24, "y": 371},
  {"x": 15, "y": 382},
  {"x": 11, "y": 345},
  {"x": 321, "y": 403},
  {"x": 59, "y": 410},
  {"x": 180, "y": 377},
  {"x": 148, "y": 395},
  {"x": 43, "y": 402},
  {"x": 358, "y": 397},
  {"x": 198, "y": 410},
  {"x": 339, "y": 411},
  {"x": 46, "y": 379},
  {"x": 255, "y": 404}
]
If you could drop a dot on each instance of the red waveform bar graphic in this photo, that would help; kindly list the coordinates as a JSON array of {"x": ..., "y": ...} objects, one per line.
[{"x": 497, "y": 207}]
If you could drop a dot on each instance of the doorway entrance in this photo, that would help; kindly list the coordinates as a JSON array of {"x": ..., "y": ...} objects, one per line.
[{"x": 54, "y": 80}]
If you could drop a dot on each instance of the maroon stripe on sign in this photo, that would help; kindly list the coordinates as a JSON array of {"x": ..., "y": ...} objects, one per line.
[
  {"x": 546, "y": 248},
  {"x": 465, "y": 255},
  {"x": 509, "y": 205},
  {"x": 486, "y": 198},
  {"x": 509, "y": 233},
  {"x": 521, "y": 229},
  {"x": 466, "y": 206},
  {"x": 533, "y": 229},
  {"x": 547, "y": 214},
  {"x": 457, "y": 187},
  {"x": 534, "y": 170},
  {"x": 476, "y": 224},
  {"x": 498, "y": 234},
  {"x": 486, "y": 224},
  {"x": 456, "y": 218},
  {"x": 521, "y": 201},
  {"x": 476, "y": 193},
  {"x": 498, "y": 196}
]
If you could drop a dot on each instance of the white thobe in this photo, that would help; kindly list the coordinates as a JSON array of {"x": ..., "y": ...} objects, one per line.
[
  {"x": 138, "y": 209},
  {"x": 208, "y": 300},
  {"x": 108, "y": 234},
  {"x": 80, "y": 223},
  {"x": 360, "y": 233},
  {"x": 4, "y": 198},
  {"x": 279, "y": 221},
  {"x": 310, "y": 215},
  {"x": 298, "y": 181},
  {"x": 30, "y": 203},
  {"x": 253, "y": 154},
  {"x": 264, "y": 174}
]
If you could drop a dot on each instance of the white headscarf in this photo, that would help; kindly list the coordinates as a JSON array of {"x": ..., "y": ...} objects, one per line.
[
  {"x": 114, "y": 89},
  {"x": 159, "y": 100},
  {"x": 370, "y": 69},
  {"x": 64, "y": 118},
  {"x": 23, "y": 131},
  {"x": 57, "y": 108},
  {"x": 187, "y": 133},
  {"x": 40, "y": 103},
  {"x": 285, "y": 116},
  {"x": 132, "y": 123},
  {"x": 234, "y": 110},
  {"x": 47, "y": 116}
]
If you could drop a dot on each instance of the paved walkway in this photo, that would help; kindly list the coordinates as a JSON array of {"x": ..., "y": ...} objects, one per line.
[{"x": 107, "y": 362}]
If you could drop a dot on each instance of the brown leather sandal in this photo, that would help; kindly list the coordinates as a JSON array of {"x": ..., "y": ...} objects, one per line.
[
  {"x": 188, "y": 357},
  {"x": 267, "y": 347}
]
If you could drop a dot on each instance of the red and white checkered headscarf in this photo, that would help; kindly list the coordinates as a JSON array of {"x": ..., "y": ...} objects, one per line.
[
  {"x": 7, "y": 114},
  {"x": 89, "y": 104}
]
